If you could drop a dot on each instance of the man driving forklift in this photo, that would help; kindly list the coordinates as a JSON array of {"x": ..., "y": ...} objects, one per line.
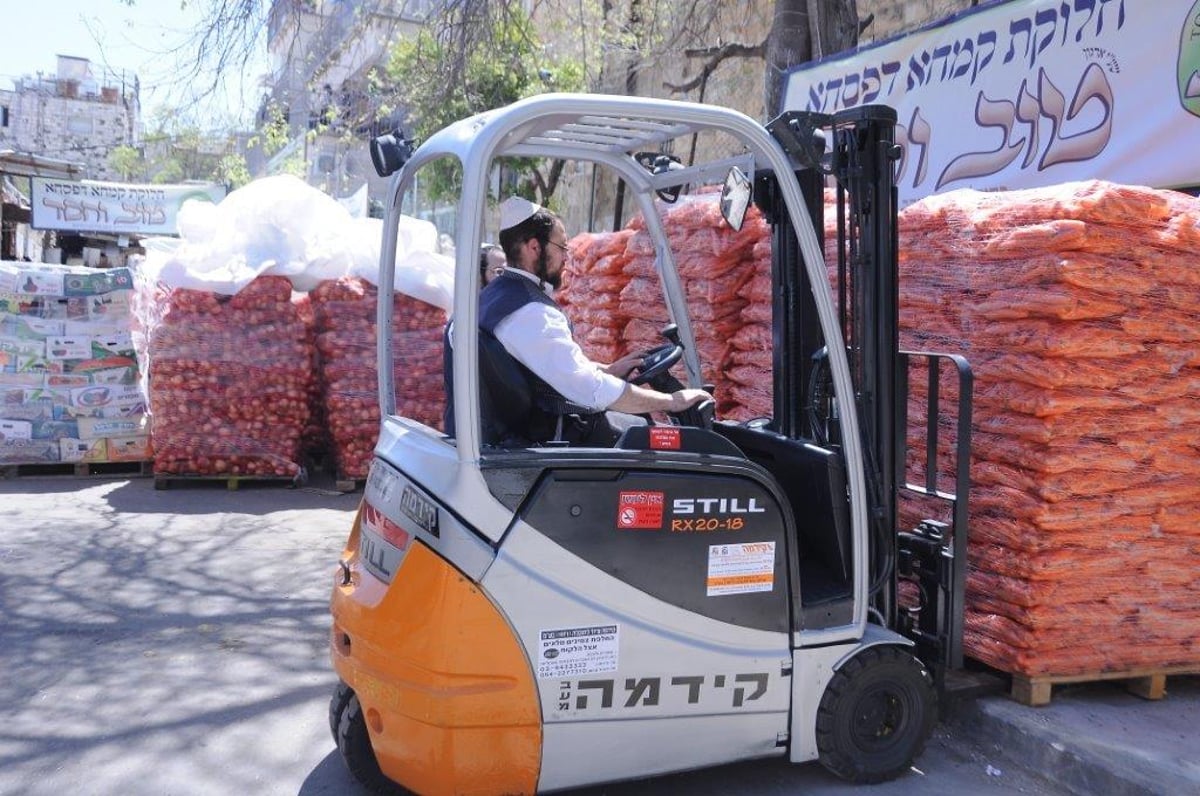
[{"x": 574, "y": 399}]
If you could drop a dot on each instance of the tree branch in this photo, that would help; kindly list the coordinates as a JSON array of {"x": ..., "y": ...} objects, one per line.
[{"x": 714, "y": 56}]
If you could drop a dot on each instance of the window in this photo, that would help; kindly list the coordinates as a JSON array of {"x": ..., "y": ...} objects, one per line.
[
  {"x": 79, "y": 125},
  {"x": 3, "y": 116}
]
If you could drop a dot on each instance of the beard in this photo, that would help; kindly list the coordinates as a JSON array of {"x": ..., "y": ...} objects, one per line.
[{"x": 543, "y": 270}]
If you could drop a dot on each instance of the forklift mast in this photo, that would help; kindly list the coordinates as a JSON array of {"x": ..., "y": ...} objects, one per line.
[{"x": 857, "y": 149}]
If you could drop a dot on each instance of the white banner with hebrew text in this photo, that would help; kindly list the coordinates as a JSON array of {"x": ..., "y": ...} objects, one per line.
[
  {"x": 1029, "y": 93},
  {"x": 112, "y": 207}
]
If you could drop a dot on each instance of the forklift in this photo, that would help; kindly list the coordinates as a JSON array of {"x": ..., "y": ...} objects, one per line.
[{"x": 523, "y": 619}]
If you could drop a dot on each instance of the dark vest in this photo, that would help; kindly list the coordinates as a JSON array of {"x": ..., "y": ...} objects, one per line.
[{"x": 513, "y": 399}]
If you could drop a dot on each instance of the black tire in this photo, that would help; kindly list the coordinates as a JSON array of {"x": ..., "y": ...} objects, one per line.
[
  {"x": 337, "y": 705},
  {"x": 876, "y": 715},
  {"x": 355, "y": 745}
]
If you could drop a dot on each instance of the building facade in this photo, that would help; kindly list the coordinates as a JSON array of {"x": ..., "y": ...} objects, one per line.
[
  {"x": 322, "y": 54},
  {"x": 80, "y": 114}
]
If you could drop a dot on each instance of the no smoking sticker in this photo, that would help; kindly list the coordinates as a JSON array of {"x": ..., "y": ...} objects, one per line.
[{"x": 640, "y": 510}]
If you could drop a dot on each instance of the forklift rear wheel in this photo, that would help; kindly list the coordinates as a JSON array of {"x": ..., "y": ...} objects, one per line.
[
  {"x": 337, "y": 706},
  {"x": 355, "y": 744},
  {"x": 876, "y": 715}
]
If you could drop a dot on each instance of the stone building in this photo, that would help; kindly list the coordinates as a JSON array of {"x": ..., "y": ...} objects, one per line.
[
  {"x": 78, "y": 114},
  {"x": 322, "y": 52}
]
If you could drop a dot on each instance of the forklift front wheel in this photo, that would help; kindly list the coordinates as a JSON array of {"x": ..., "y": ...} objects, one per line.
[
  {"x": 876, "y": 715},
  {"x": 350, "y": 733}
]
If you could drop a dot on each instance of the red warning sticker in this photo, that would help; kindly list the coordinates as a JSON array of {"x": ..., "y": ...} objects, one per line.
[
  {"x": 640, "y": 510},
  {"x": 664, "y": 438}
]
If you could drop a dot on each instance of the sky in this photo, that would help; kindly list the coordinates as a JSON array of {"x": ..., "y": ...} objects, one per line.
[{"x": 111, "y": 33}]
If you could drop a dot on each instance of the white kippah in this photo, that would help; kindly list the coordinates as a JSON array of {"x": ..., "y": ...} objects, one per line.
[{"x": 514, "y": 210}]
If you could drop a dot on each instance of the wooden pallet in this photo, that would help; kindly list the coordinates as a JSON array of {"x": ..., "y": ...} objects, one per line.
[
  {"x": 231, "y": 482},
  {"x": 79, "y": 469},
  {"x": 1035, "y": 691}
]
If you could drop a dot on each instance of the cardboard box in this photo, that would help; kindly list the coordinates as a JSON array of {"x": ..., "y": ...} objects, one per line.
[
  {"x": 15, "y": 429},
  {"x": 83, "y": 450},
  {"x": 25, "y": 347},
  {"x": 129, "y": 449},
  {"x": 28, "y": 451},
  {"x": 67, "y": 380},
  {"x": 98, "y": 427},
  {"x": 119, "y": 343},
  {"x": 55, "y": 429},
  {"x": 40, "y": 282},
  {"x": 92, "y": 281},
  {"x": 25, "y": 327},
  {"x": 108, "y": 400},
  {"x": 69, "y": 347},
  {"x": 109, "y": 305},
  {"x": 125, "y": 375}
]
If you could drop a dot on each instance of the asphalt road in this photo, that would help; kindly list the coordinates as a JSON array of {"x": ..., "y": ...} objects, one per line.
[{"x": 175, "y": 642}]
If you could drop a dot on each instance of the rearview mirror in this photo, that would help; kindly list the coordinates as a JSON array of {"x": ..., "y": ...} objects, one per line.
[
  {"x": 735, "y": 197},
  {"x": 390, "y": 152}
]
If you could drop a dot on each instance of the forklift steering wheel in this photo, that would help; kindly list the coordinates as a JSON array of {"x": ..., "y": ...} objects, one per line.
[{"x": 657, "y": 362}]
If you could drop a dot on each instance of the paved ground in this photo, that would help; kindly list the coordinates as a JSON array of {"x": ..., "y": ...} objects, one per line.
[{"x": 174, "y": 642}]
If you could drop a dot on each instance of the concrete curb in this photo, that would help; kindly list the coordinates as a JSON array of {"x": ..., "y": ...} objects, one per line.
[{"x": 1094, "y": 739}]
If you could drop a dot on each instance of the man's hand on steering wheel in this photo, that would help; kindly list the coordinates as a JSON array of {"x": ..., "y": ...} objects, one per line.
[
  {"x": 656, "y": 363},
  {"x": 625, "y": 365}
]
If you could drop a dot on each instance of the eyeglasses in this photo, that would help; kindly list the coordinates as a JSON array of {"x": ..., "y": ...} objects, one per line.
[{"x": 562, "y": 246}]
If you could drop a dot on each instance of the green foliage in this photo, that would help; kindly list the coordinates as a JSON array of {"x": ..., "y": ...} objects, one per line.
[
  {"x": 463, "y": 66},
  {"x": 274, "y": 135},
  {"x": 174, "y": 151},
  {"x": 233, "y": 171},
  {"x": 127, "y": 161}
]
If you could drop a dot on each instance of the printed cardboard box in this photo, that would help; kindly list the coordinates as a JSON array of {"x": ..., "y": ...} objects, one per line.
[
  {"x": 28, "y": 451},
  {"x": 107, "y": 400},
  {"x": 87, "y": 283},
  {"x": 98, "y": 427},
  {"x": 55, "y": 429},
  {"x": 16, "y": 429},
  {"x": 129, "y": 449},
  {"x": 83, "y": 450},
  {"x": 26, "y": 328},
  {"x": 69, "y": 347}
]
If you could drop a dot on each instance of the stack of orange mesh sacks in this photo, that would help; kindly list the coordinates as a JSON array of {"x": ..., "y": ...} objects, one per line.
[
  {"x": 1076, "y": 306},
  {"x": 612, "y": 295},
  {"x": 228, "y": 379},
  {"x": 344, "y": 311}
]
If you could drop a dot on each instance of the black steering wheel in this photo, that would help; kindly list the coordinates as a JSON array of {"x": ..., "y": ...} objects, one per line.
[{"x": 657, "y": 362}]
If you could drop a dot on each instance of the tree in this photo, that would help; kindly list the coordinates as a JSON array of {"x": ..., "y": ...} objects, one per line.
[
  {"x": 472, "y": 58},
  {"x": 127, "y": 161},
  {"x": 805, "y": 30}
]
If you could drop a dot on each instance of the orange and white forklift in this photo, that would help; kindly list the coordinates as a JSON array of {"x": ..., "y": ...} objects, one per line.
[{"x": 521, "y": 619}]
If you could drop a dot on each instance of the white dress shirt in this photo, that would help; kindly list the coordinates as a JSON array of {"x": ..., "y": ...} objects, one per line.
[{"x": 539, "y": 337}]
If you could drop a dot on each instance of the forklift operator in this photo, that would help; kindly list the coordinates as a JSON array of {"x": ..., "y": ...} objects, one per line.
[{"x": 517, "y": 308}]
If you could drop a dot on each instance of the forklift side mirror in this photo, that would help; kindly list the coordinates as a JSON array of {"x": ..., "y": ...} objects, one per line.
[
  {"x": 735, "y": 197},
  {"x": 390, "y": 152}
]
